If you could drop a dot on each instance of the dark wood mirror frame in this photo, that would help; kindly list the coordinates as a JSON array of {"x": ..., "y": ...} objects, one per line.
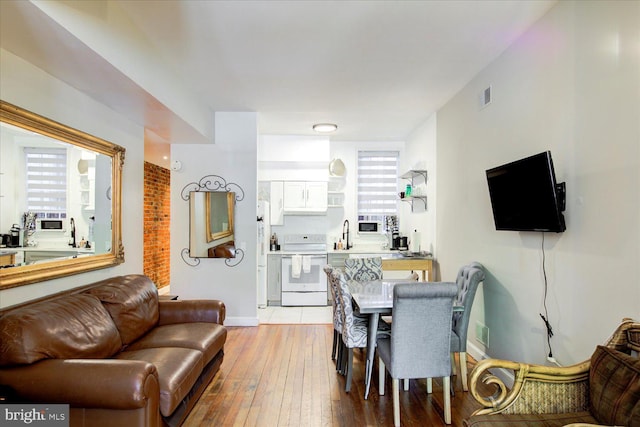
[{"x": 27, "y": 274}]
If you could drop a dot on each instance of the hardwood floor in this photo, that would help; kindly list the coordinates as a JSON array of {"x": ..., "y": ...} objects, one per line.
[{"x": 283, "y": 375}]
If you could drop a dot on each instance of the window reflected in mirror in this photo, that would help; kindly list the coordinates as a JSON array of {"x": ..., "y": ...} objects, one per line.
[{"x": 211, "y": 232}]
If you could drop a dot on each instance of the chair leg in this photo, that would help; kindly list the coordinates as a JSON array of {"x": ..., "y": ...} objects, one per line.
[
  {"x": 453, "y": 364},
  {"x": 446, "y": 386},
  {"x": 340, "y": 362},
  {"x": 395, "y": 385},
  {"x": 406, "y": 384},
  {"x": 347, "y": 387},
  {"x": 334, "y": 345},
  {"x": 429, "y": 386},
  {"x": 381, "y": 375},
  {"x": 463, "y": 370}
]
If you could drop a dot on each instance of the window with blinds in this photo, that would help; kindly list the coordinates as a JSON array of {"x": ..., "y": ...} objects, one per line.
[
  {"x": 377, "y": 184},
  {"x": 46, "y": 170}
]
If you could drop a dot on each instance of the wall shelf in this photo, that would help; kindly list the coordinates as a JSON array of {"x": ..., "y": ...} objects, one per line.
[{"x": 411, "y": 176}]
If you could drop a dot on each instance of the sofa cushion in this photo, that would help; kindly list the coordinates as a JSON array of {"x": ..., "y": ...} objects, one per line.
[
  {"x": 73, "y": 326},
  {"x": 614, "y": 386},
  {"x": 529, "y": 420},
  {"x": 132, "y": 302},
  {"x": 209, "y": 338},
  {"x": 178, "y": 370}
]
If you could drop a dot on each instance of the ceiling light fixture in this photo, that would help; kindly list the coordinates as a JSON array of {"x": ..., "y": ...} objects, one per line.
[{"x": 325, "y": 127}]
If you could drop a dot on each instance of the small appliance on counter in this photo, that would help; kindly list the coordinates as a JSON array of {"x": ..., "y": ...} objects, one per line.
[
  {"x": 5, "y": 239},
  {"x": 16, "y": 239}
]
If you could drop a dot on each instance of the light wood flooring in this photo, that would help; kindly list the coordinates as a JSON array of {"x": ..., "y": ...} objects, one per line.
[{"x": 283, "y": 375}]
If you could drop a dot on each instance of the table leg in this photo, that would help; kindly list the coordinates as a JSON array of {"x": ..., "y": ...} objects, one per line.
[{"x": 371, "y": 350}]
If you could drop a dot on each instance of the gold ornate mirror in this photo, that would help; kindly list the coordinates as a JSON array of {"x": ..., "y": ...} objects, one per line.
[{"x": 61, "y": 199}]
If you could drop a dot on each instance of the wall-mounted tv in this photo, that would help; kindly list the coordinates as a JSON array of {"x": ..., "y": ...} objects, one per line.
[{"x": 525, "y": 195}]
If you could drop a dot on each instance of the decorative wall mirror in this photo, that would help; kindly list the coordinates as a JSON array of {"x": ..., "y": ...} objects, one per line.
[
  {"x": 211, "y": 233},
  {"x": 56, "y": 223},
  {"x": 212, "y": 202}
]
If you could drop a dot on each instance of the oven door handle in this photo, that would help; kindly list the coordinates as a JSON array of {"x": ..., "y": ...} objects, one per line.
[{"x": 312, "y": 256}]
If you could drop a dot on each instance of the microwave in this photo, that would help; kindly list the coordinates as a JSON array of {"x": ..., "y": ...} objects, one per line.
[
  {"x": 49, "y": 224},
  {"x": 369, "y": 227}
]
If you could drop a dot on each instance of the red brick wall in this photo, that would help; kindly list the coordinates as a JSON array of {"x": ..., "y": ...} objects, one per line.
[{"x": 157, "y": 218}]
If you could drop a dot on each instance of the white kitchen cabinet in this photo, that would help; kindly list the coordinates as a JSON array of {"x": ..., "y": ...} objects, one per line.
[
  {"x": 276, "y": 205},
  {"x": 305, "y": 197}
]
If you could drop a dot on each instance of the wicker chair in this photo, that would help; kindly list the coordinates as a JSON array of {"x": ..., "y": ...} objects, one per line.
[{"x": 559, "y": 396}]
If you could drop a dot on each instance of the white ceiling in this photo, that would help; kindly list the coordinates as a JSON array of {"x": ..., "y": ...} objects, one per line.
[{"x": 375, "y": 68}]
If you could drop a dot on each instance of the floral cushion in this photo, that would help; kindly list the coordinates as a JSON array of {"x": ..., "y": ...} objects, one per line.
[{"x": 614, "y": 386}]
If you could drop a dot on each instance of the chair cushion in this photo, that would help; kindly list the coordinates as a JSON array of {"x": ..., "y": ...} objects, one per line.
[
  {"x": 73, "y": 326},
  {"x": 178, "y": 370},
  {"x": 614, "y": 386}
]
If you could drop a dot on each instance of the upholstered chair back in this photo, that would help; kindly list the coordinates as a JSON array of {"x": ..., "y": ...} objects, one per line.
[
  {"x": 335, "y": 301},
  {"x": 354, "y": 333},
  {"x": 467, "y": 281},
  {"x": 421, "y": 330},
  {"x": 363, "y": 269}
]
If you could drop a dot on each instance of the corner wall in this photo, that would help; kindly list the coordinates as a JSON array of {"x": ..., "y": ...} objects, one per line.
[
  {"x": 233, "y": 157},
  {"x": 569, "y": 85},
  {"x": 157, "y": 224}
]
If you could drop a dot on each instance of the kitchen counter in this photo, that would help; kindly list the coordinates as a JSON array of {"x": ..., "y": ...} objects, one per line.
[{"x": 392, "y": 260}]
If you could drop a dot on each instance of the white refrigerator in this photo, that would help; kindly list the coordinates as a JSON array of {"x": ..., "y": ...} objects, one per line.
[{"x": 264, "y": 236}]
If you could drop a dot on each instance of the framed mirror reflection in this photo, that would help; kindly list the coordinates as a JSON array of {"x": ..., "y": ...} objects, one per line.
[
  {"x": 211, "y": 230},
  {"x": 60, "y": 211}
]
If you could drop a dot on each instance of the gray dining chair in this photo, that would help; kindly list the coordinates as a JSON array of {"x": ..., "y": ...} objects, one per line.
[
  {"x": 467, "y": 281},
  {"x": 413, "y": 350},
  {"x": 363, "y": 269},
  {"x": 337, "y": 317}
]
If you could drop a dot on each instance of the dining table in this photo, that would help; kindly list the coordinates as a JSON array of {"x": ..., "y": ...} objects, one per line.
[{"x": 375, "y": 298}]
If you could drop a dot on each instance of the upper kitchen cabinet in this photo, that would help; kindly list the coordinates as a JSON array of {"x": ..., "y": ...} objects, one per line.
[{"x": 305, "y": 197}]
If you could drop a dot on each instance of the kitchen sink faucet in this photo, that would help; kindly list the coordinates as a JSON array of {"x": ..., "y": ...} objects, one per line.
[{"x": 345, "y": 234}]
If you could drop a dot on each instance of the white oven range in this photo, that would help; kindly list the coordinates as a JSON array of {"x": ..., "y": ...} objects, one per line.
[{"x": 304, "y": 282}]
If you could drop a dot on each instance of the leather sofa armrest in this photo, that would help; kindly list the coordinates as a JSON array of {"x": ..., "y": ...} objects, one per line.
[
  {"x": 188, "y": 311},
  {"x": 86, "y": 383}
]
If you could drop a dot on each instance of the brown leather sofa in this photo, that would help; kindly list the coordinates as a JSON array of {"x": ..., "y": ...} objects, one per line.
[{"x": 112, "y": 351}]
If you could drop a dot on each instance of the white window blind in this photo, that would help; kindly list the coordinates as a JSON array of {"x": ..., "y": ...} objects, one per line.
[
  {"x": 377, "y": 184},
  {"x": 46, "y": 181}
]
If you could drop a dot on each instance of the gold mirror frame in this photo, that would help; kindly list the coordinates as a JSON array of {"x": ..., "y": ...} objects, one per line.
[
  {"x": 231, "y": 199},
  {"x": 24, "y": 275}
]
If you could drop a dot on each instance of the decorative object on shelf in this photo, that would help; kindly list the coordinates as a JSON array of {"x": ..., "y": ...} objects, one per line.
[
  {"x": 208, "y": 184},
  {"x": 83, "y": 166},
  {"x": 337, "y": 167}
]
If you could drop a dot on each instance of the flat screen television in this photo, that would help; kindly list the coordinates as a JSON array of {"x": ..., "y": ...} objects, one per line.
[{"x": 525, "y": 195}]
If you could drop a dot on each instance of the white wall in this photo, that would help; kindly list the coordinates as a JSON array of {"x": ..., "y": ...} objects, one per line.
[
  {"x": 233, "y": 157},
  {"x": 570, "y": 85},
  {"x": 420, "y": 154},
  {"x": 29, "y": 87}
]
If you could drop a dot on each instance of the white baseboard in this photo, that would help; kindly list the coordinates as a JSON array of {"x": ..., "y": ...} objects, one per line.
[
  {"x": 241, "y": 321},
  {"x": 479, "y": 354}
]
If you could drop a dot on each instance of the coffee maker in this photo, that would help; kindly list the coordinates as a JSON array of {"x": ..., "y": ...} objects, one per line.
[{"x": 15, "y": 236}]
